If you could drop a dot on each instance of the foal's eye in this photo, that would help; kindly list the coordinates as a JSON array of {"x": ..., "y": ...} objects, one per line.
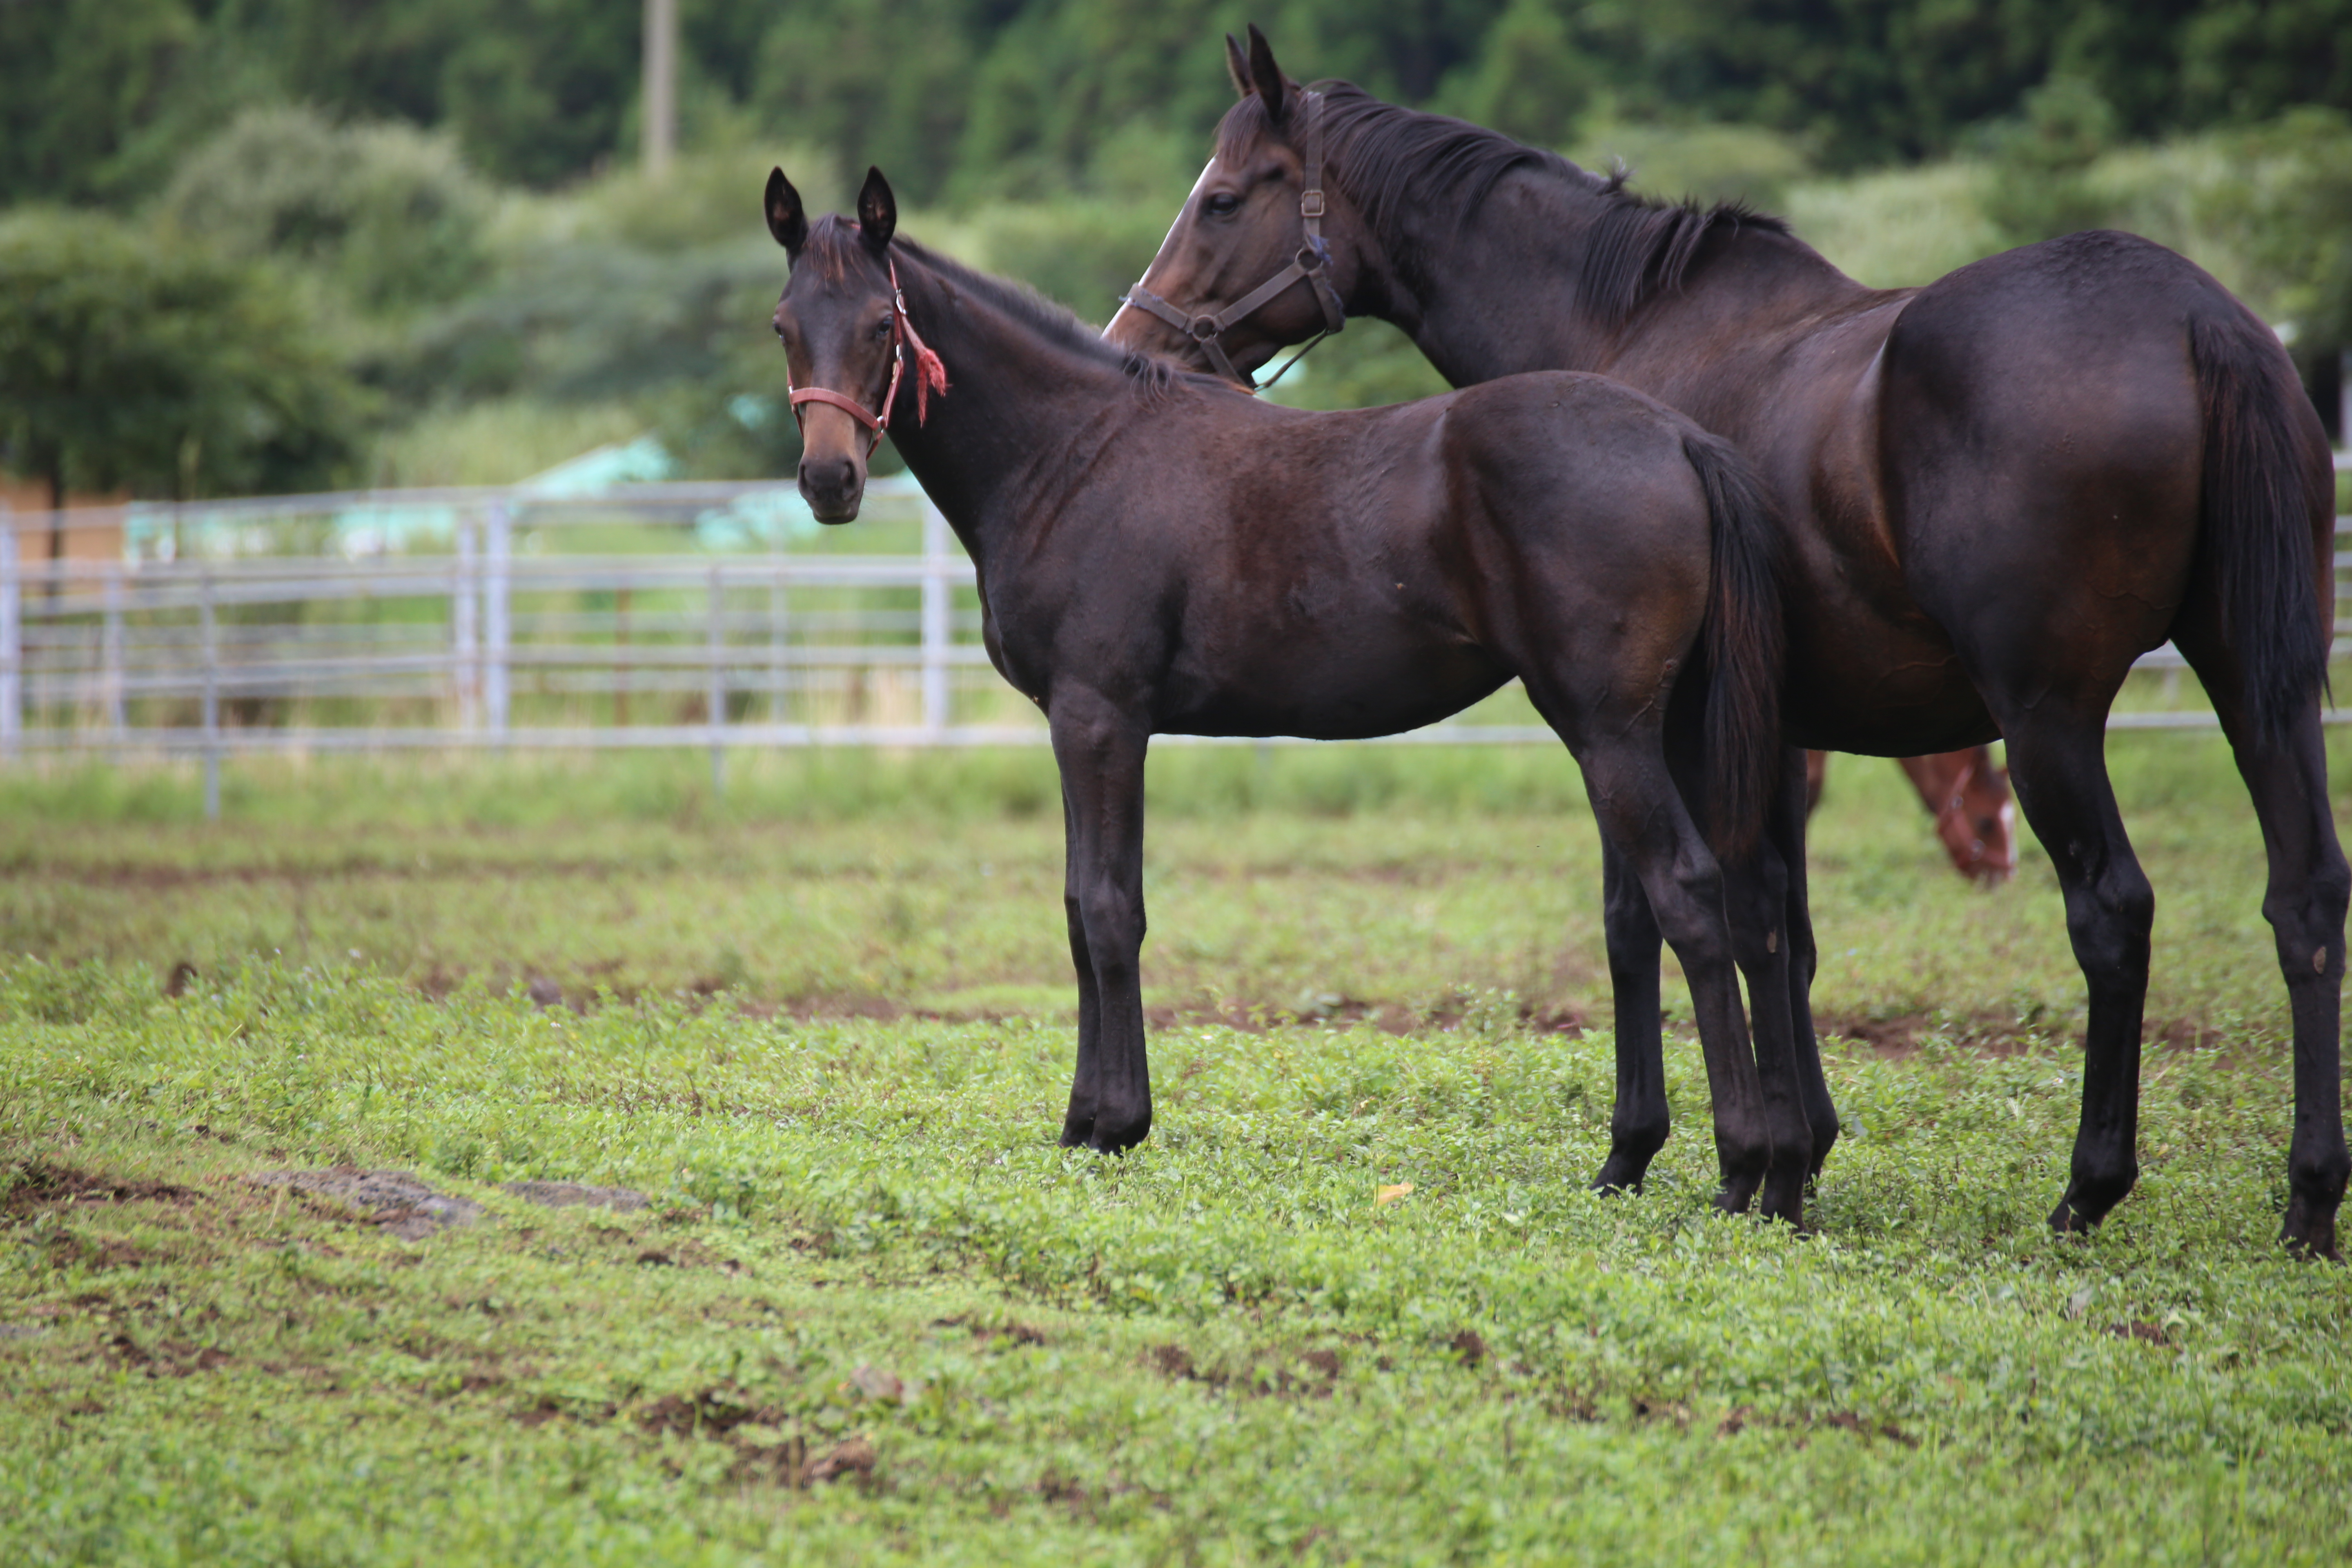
[
  {"x": 882, "y": 328},
  {"x": 1224, "y": 204}
]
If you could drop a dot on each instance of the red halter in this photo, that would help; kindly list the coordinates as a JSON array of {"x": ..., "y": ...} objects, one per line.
[{"x": 930, "y": 376}]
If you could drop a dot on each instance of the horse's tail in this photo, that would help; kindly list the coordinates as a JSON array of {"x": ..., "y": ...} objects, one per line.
[
  {"x": 2258, "y": 509},
  {"x": 1744, "y": 642}
]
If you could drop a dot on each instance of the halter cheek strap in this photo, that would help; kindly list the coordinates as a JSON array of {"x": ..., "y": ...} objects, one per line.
[
  {"x": 930, "y": 376},
  {"x": 1312, "y": 264}
]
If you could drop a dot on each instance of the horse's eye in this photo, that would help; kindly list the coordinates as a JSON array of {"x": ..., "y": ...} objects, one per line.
[
  {"x": 882, "y": 328},
  {"x": 1224, "y": 204}
]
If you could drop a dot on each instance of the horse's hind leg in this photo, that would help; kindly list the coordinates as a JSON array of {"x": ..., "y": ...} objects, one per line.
[
  {"x": 1756, "y": 899},
  {"x": 1643, "y": 816},
  {"x": 1639, "y": 1123},
  {"x": 2057, "y": 764},
  {"x": 1786, "y": 830},
  {"x": 2309, "y": 887}
]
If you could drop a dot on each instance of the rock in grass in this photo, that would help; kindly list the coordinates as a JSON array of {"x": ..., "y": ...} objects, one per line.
[
  {"x": 402, "y": 1205},
  {"x": 572, "y": 1194}
]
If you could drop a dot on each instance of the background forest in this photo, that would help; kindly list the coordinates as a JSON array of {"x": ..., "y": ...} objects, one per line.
[{"x": 258, "y": 244}]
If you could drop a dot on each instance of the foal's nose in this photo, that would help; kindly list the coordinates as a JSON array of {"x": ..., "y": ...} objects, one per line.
[{"x": 830, "y": 486}]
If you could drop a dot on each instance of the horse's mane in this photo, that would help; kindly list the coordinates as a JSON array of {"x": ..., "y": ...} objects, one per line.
[
  {"x": 1389, "y": 160},
  {"x": 1639, "y": 247},
  {"x": 834, "y": 240}
]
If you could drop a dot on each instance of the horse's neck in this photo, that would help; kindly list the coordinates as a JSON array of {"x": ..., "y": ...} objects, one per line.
[
  {"x": 998, "y": 442},
  {"x": 1500, "y": 296}
]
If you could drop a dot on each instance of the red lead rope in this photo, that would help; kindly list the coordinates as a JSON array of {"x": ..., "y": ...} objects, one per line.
[{"x": 930, "y": 376}]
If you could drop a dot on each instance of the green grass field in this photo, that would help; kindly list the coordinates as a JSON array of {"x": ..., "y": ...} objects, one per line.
[{"x": 872, "y": 1313}]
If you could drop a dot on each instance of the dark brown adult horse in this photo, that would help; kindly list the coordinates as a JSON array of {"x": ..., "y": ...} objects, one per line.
[
  {"x": 1157, "y": 553},
  {"x": 2000, "y": 489}
]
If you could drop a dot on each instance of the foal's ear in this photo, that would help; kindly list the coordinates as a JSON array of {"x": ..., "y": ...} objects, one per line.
[
  {"x": 786, "y": 221},
  {"x": 877, "y": 210},
  {"x": 1237, "y": 67},
  {"x": 1265, "y": 78}
]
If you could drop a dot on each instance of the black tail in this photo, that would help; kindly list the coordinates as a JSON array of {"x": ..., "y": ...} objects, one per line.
[
  {"x": 2259, "y": 513},
  {"x": 1744, "y": 642}
]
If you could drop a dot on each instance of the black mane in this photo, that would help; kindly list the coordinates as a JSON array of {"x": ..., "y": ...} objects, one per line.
[
  {"x": 1389, "y": 160},
  {"x": 1639, "y": 247},
  {"x": 835, "y": 241}
]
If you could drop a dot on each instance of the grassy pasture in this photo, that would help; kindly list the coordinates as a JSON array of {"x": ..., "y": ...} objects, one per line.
[{"x": 873, "y": 1314}]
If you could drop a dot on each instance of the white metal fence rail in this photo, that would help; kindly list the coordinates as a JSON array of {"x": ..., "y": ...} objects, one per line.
[{"x": 512, "y": 619}]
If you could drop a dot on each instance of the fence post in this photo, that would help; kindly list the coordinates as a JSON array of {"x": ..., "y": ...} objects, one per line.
[
  {"x": 938, "y": 597},
  {"x": 717, "y": 700},
  {"x": 779, "y": 609},
  {"x": 116, "y": 679},
  {"x": 465, "y": 643},
  {"x": 211, "y": 700},
  {"x": 496, "y": 625},
  {"x": 11, "y": 637}
]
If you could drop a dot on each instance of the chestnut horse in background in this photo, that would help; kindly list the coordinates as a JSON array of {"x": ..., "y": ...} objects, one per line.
[
  {"x": 1968, "y": 794},
  {"x": 1999, "y": 490}
]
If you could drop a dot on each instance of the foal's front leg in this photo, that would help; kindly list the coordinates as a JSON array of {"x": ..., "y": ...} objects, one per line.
[
  {"x": 1100, "y": 751},
  {"x": 1078, "y": 1121}
]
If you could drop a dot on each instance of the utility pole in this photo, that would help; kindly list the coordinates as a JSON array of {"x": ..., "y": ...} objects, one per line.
[{"x": 660, "y": 91}]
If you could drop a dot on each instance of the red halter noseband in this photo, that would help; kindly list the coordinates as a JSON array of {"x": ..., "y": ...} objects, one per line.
[{"x": 930, "y": 376}]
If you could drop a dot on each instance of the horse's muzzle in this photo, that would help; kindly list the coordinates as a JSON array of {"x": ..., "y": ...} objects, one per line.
[{"x": 833, "y": 488}]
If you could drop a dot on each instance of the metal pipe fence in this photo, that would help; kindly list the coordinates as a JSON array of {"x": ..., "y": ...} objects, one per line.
[{"x": 668, "y": 616}]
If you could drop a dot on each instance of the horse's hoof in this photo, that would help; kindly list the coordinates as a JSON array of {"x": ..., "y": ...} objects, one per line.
[
  {"x": 1619, "y": 1179},
  {"x": 1116, "y": 1138},
  {"x": 1077, "y": 1133},
  {"x": 1736, "y": 1193},
  {"x": 1783, "y": 1201},
  {"x": 2306, "y": 1235},
  {"x": 2066, "y": 1220}
]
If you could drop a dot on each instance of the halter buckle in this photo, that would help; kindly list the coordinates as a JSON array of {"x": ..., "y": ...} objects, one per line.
[{"x": 1310, "y": 204}]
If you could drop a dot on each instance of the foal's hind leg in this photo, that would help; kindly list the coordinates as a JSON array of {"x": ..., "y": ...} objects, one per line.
[
  {"x": 1639, "y": 1123},
  {"x": 1642, "y": 815},
  {"x": 2309, "y": 887},
  {"x": 1772, "y": 936}
]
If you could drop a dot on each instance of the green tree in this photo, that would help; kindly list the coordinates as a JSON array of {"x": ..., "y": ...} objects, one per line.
[
  {"x": 98, "y": 97},
  {"x": 1531, "y": 80},
  {"x": 388, "y": 211},
  {"x": 2040, "y": 161},
  {"x": 123, "y": 362}
]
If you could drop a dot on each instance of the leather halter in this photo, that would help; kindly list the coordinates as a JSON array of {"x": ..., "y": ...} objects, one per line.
[
  {"x": 929, "y": 375},
  {"x": 1312, "y": 263}
]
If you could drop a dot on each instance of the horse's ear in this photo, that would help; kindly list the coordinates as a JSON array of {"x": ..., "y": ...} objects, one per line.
[
  {"x": 786, "y": 221},
  {"x": 1265, "y": 78},
  {"x": 877, "y": 210},
  {"x": 1237, "y": 66}
]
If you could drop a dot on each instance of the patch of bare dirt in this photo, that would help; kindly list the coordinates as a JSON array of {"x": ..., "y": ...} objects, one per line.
[
  {"x": 165, "y": 1358},
  {"x": 1312, "y": 1375},
  {"x": 395, "y": 1200},
  {"x": 573, "y": 1194},
  {"x": 39, "y": 1186},
  {"x": 1898, "y": 1038},
  {"x": 1012, "y": 1333},
  {"x": 1745, "y": 1416}
]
